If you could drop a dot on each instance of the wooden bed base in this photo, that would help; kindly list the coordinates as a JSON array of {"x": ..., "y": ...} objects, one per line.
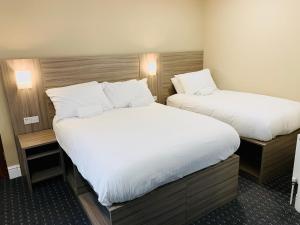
[
  {"x": 178, "y": 203},
  {"x": 265, "y": 161}
]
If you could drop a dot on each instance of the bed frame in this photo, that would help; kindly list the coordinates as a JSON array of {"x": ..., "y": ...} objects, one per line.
[
  {"x": 265, "y": 161},
  {"x": 178, "y": 203}
]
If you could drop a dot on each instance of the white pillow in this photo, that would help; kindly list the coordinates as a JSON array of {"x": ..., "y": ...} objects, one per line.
[
  {"x": 89, "y": 111},
  {"x": 122, "y": 94},
  {"x": 144, "y": 96},
  {"x": 200, "y": 82},
  {"x": 177, "y": 85},
  {"x": 139, "y": 102},
  {"x": 68, "y": 99}
]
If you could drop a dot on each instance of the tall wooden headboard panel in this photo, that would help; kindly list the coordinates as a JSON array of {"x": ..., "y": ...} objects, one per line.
[
  {"x": 66, "y": 71},
  {"x": 171, "y": 64},
  {"x": 57, "y": 72},
  {"x": 24, "y": 102}
]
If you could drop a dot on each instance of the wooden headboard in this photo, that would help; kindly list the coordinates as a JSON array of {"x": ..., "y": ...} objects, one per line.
[
  {"x": 171, "y": 64},
  {"x": 67, "y": 71},
  {"x": 58, "y": 72}
]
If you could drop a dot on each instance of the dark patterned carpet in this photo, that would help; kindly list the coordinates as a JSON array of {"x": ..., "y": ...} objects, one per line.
[{"x": 53, "y": 203}]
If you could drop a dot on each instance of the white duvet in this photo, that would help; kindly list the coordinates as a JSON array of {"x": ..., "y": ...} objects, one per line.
[
  {"x": 253, "y": 116},
  {"x": 126, "y": 153}
]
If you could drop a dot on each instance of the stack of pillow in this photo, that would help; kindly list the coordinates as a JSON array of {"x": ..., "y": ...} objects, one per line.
[
  {"x": 194, "y": 83},
  {"x": 92, "y": 98}
]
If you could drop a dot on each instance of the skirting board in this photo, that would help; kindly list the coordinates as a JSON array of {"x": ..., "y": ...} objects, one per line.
[{"x": 14, "y": 171}]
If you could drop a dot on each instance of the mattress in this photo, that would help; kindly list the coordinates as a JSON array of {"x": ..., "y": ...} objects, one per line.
[
  {"x": 126, "y": 153},
  {"x": 254, "y": 116}
]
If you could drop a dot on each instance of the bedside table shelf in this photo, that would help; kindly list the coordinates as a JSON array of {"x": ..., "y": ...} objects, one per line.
[
  {"x": 46, "y": 174},
  {"x": 42, "y": 156}
]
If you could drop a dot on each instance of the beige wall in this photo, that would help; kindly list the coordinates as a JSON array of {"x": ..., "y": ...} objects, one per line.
[
  {"x": 73, "y": 27},
  {"x": 254, "y": 45},
  {"x": 37, "y": 28}
]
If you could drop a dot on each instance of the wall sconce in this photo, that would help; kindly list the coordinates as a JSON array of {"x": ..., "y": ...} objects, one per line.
[
  {"x": 24, "y": 79},
  {"x": 152, "y": 67}
]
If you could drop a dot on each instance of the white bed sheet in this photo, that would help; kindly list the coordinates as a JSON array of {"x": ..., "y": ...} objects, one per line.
[
  {"x": 126, "y": 153},
  {"x": 254, "y": 116}
]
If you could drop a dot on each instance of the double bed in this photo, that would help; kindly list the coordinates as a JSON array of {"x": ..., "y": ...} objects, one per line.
[
  {"x": 126, "y": 147},
  {"x": 127, "y": 154},
  {"x": 153, "y": 165}
]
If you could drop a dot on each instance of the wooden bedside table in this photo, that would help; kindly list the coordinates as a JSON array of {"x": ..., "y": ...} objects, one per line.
[{"x": 42, "y": 156}]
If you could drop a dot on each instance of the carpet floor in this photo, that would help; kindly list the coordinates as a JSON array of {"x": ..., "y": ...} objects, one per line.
[{"x": 52, "y": 202}]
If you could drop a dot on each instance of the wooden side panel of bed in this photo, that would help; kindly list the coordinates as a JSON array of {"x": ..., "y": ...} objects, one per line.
[
  {"x": 265, "y": 161},
  {"x": 178, "y": 203},
  {"x": 278, "y": 156}
]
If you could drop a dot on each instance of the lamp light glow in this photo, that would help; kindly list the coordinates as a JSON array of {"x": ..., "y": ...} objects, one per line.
[
  {"x": 152, "y": 67},
  {"x": 24, "y": 79}
]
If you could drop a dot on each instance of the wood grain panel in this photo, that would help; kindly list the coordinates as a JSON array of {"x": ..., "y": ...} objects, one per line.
[
  {"x": 152, "y": 80},
  {"x": 24, "y": 102},
  {"x": 278, "y": 156},
  {"x": 268, "y": 160},
  {"x": 177, "y": 203},
  {"x": 37, "y": 139},
  {"x": 88, "y": 202},
  {"x": 171, "y": 64},
  {"x": 59, "y": 72}
]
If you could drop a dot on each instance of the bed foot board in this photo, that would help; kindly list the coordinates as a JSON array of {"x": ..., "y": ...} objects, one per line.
[{"x": 178, "y": 203}]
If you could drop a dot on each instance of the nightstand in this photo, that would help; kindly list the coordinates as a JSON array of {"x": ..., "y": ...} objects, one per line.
[{"x": 42, "y": 157}]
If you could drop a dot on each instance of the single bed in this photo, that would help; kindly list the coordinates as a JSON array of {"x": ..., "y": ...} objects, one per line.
[
  {"x": 253, "y": 116},
  {"x": 129, "y": 154},
  {"x": 267, "y": 125}
]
